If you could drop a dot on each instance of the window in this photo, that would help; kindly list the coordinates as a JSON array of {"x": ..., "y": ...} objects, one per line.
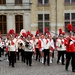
[
  {"x": 69, "y": 1},
  {"x": 46, "y": 1},
  {"x": 73, "y": 16},
  {"x": 69, "y": 18},
  {"x": 3, "y": 24},
  {"x": 18, "y": 23},
  {"x": 46, "y": 17},
  {"x": 73, "y": 0},
  {"x": 41, "y": 2},
  {"x": 40, "y": 17},
  {"x": 2, "y": 1},
  {"x": 18, "y": 2},
  {"x": 43, "y": 20}
]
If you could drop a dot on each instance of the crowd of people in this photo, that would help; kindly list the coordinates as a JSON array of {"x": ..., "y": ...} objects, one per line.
[{"x": 40, "y": 47}]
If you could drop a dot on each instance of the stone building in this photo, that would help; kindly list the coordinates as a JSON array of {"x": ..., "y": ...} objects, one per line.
[
  {"x": 36, "y": 14},
  {"x": 53, "y": 14},
  {"x": 14, "y": 14}
]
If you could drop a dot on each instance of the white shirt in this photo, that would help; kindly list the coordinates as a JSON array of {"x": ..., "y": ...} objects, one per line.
[
  {"x": 46, "y": 45},
  {"x": 59, "y": 43}
]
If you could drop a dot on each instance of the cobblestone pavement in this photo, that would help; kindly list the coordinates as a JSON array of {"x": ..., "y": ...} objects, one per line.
[{"x": 37, "y": 68}]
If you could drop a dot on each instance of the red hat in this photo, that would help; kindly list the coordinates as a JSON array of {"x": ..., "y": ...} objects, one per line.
[
  {"x": 60, "y": 32},
  {"x": 28, "y": 33},
  {"x": 24, "y": 34},
  {"x": 31, "y": 35},
  {"x": 37, "y": 32},
  {"x": 74, "y": 30},
  {"x": 69, "y": 26},
  {"x": 22, "y": 31},
  {"x": 63, "y": 33},
  {"x": 11, "y": 31},
  {"x": 46, "y": 31}
]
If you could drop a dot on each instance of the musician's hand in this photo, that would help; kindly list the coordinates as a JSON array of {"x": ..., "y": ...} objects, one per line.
[
  {"x": 60, "y": 46},
  {"x": 8, "y": 43},
  {"x": 37, "y": 43},
  {"x": 21, "y": 44},
  {"x": 70, "y": 40}
]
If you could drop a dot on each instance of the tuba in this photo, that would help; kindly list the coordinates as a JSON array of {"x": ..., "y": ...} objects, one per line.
[{"x": 28, "y": 45}]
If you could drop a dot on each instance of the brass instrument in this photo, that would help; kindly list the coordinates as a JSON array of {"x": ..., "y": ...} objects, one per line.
[{"x": 28, "y": 45}]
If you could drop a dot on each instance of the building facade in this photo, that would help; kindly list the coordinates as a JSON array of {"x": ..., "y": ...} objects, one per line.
[
  {"x": 36, "y": 14},
  {"x": 14, "y": 14},
  {"x": 53, "y": 14}
]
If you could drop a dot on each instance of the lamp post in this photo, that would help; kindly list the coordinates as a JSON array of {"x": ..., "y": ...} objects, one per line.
[
  {"x": 70, "y": 11},
  {"x": 56, "y": 17},
  {"x": 43, "y": 17}
]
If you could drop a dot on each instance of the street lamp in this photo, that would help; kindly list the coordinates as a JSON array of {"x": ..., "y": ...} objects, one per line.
[
  {"x": 56, "y": 19},
  {"x": 43, "y": 17}
]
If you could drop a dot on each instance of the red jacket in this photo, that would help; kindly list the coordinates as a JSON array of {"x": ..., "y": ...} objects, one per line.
[{"x": 70, "y": 45}]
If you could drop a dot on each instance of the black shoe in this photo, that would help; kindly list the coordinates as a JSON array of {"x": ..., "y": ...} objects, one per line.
[
  {"x": 48, "y": 64},
  {"x": 27, "y": 63},
  {"x": 30, "y": 65},
  {"x": 10, "y": 64},
  {"x": 73, "y": 70},
  {"x": 36, "y": 59},
  {"x": 44, "y": 63},
  {"x": 13, "y": 66},
  {"x": 66, "y": 69},
  {"x": 63, "y": 64},
  {"x": 57, "y": 62}
]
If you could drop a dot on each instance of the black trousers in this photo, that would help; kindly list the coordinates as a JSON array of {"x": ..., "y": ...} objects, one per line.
[
  {"x": 0, "y": 51},
  {"x": 28, "y": 58},
  {"x": 22, "y": 55},
  {"x": 61, "y": 54},
  {"x": 70, "y": 56},
  {"x": 37, "y": 54},
  {"x": 11, "y": 58},
  {"x": 46, "y": 54},
  {"x": 18, "y": 54}
]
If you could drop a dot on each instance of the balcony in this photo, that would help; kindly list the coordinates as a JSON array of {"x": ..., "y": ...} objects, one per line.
[{"x": 12, "y": 6}]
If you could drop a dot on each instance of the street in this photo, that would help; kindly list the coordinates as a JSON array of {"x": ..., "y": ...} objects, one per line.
[{"x": 37, "y": 68}]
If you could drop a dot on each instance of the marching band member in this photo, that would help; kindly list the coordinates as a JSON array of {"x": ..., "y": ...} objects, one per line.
[
  {"x": 11, "y": 48},
  {"x": 37, "y": 46},
  {"x": 60, "y": 47},
  {"x": 21, "y": 45},
  {"x": 29, "y": 48},
  {"x": 46, "y": 46},
  {"x": 34, "y": 53},
  {"x": 6, "y": 44},
  {"x": 70, "y": 49},
  {"x": 51, "y": 47},
  {"x": 40, "y": 45},
  {"x": 0, "y": 46}
]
